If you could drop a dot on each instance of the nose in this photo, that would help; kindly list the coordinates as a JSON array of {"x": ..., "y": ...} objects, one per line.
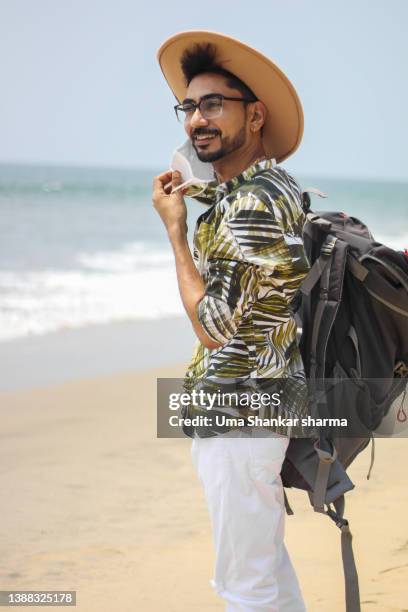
[{"x": 197, "y": 119}]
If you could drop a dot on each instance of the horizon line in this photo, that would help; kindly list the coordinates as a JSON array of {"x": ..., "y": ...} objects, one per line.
[{"x": 129, "y": 167}]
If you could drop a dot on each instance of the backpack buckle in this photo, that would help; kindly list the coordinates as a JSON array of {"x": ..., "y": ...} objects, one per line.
[
  {"x": 401, "y": 370},
  {"x": 325, "y": 456},
  {"x": 328, "y": 246}
]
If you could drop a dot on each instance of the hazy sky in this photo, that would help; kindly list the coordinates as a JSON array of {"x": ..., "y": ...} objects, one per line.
[{"x": 80, "y": 83}]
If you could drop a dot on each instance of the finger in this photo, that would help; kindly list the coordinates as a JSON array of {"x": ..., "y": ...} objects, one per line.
[
  {"x": 176, "y": 182},
  {"x": 168, "y": 188},
  {"x": 166, "y": 173},
  {"x": 176, "y": 179},
  {"x": 160, "y": 181}
]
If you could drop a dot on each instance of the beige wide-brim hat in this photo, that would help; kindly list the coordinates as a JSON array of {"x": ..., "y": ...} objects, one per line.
[{"x": 283, "y": 128}]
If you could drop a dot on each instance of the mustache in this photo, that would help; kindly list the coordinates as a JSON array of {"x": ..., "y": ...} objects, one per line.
[{"x": 204, "y": 132}]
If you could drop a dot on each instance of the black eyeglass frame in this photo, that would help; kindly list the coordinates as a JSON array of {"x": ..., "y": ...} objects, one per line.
[{"x": 195, "y": 105}]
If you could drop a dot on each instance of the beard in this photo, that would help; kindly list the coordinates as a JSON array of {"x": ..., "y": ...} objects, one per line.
[{"x": 228, "y": 145}]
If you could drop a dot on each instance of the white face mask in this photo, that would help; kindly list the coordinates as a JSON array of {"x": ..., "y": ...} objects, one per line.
[{"x": 193, "y": 171}]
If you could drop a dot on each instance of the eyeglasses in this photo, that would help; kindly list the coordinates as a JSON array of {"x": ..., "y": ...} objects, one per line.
[{"x": 210, "y": 106}]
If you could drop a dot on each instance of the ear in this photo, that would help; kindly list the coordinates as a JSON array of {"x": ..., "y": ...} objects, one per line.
[{"x": 257, "y": 116}]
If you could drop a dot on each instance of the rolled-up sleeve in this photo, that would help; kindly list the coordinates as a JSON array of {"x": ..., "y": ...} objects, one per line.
[{"x": 254, "y": 247}]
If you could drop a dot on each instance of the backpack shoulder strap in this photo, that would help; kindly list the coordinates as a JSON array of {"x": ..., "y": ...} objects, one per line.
[
  {"x": 327, "y": 271},
  {"x": 319, "y": 266}
]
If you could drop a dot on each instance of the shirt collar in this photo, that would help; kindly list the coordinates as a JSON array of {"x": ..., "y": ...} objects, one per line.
[
  {"x": 214, "y": 191},
  {"x": 246, "y": 175}
]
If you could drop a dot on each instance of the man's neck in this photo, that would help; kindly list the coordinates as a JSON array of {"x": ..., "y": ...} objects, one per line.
[{"x": 233, "y": 165}]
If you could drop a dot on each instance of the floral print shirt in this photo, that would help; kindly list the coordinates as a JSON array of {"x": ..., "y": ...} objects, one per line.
[{"x": 248, "y": 248}]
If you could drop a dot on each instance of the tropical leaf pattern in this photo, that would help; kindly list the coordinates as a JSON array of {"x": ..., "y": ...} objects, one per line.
[{"x": 248, "y": 248}]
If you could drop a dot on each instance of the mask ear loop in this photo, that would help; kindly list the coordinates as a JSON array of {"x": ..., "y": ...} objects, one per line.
[
  {"x": 195, "y": 186},
  {"x": 176, "y": 188},
  {"x": 187, "y": 184}
]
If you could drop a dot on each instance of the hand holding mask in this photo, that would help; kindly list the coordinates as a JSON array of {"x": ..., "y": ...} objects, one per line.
[{"x": 193, "y": 171}]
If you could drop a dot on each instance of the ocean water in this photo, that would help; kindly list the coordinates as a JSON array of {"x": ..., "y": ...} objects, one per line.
[{"x": 84, "y": 246}]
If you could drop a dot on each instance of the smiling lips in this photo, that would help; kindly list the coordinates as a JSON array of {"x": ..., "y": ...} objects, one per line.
[{"x": 204, "y": 139}]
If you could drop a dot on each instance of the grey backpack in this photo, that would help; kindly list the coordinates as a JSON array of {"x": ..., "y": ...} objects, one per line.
[{"x": 353, "y": 313}]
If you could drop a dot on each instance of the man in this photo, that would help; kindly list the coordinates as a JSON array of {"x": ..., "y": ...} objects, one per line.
[{"x": 242, "y": 115}]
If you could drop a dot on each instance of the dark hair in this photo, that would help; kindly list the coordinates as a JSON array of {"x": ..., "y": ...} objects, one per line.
[{"x": 202, "y": 58}]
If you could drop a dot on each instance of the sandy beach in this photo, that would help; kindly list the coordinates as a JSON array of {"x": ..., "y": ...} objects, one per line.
[{"x": 92, "y": 501}]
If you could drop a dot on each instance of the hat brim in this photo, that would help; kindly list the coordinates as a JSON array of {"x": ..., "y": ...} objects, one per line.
[{"x": 283, "y": 128}]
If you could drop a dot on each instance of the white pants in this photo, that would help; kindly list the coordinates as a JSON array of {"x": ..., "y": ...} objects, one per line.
[{"x": 240, "y": 475}]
